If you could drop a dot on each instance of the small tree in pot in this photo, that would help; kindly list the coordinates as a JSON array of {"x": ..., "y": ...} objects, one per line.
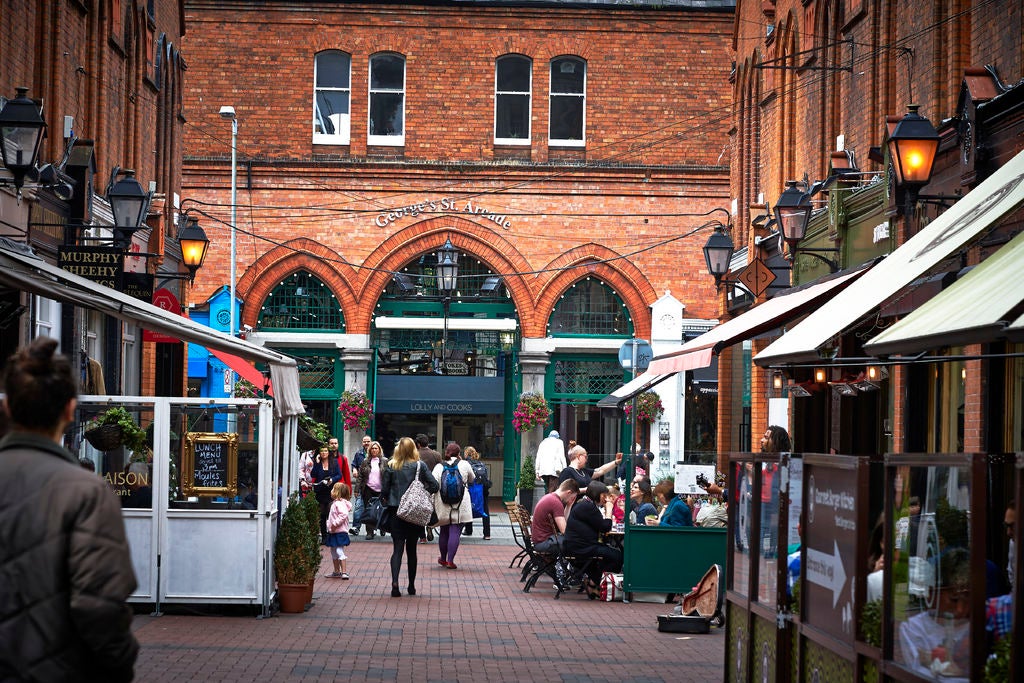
[
  {"x": 527, "y": 480},
  {"x": 292, "y": 564}
]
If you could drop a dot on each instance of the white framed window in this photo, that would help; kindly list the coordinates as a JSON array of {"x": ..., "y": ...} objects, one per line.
[
  {"x": 387, "y": 100},
  {"x": 332, "y": 98},
  {"x": 568, "y": 102},
  {"x": 47, "y": 318},
  {"x": 131, "y": 370},
  {"x": 513, "y": 94}
]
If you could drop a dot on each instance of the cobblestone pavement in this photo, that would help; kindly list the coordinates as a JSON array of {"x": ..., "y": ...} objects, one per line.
[{"x": 470, "y": 624}]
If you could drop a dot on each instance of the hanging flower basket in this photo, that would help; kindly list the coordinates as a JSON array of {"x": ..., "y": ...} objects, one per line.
[
  {"x": 311, "y": 435},
  {"x": 113, "y": 428},
  {"x": 356, "y": 410},
  {"x": 104, "y": 437},
  {"x": 648, "y": 407},
  {"x": 306, "y": 441},
  {"x": 531, "y": 411}
]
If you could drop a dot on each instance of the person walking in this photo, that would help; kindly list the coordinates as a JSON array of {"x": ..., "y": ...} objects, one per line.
[
  {"x": 357, "y": 487},
  {"x": 337, "y": 528},
  {"x": 452, "y": 502},
  {"x": 325, "y": 474},
  {"x": 370, "y": 473},
  {"x": 482, "y": 481},
  {"x": 67, "y": 569},
  {"x": 550, "y": 460},
  {"x": 401, "y": 470}
]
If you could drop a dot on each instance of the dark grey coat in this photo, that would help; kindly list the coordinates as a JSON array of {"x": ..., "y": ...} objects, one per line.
[{"x": 65, "y": 569}]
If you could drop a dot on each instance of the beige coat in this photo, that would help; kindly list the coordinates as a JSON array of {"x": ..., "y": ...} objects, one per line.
[{"x": 454, "y": 514}]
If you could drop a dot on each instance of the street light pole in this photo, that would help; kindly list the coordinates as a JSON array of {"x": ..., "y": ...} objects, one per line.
[{"x": 228, "y": 112}]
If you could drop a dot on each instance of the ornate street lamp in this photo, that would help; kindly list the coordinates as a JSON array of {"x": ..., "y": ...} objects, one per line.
[
  {"x": 129, "y": 204},
  {"x": 793, "y": 214},
  {"x": 194, "y": 245},
  {"x": 912, "y": 147},
  {"x": 447, "y": 281},
  {"x": 21, "y": 133},
  {"x": 718, "y": 254}
]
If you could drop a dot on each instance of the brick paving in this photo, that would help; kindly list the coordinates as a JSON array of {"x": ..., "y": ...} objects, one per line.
[{"x": 466, "y": 625}]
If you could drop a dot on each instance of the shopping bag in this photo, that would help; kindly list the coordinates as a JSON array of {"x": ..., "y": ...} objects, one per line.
[
  {"x": 611, "y": 586},
  {"x": 476, "y": 497}
]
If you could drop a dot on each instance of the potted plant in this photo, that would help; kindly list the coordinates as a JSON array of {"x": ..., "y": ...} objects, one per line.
[
  {"x": 531, "y": 411},
  {"x": 356, "y": 410},
  {"x": 527, "y": 480},
  {"x": 311, "y": 508},
  {"x": 292, "y": 564},
  {"x": 311, "y": 434},
  {"x": 113, "y": 428}
]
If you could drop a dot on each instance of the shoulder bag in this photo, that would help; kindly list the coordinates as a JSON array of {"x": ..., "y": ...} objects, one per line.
[{"x": 416, "y": 504}]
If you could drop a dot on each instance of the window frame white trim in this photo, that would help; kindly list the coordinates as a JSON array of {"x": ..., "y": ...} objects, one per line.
[
  {"x": 386, "y": 140},
  {"x": 337, "y": 139},
  {"x": 558, "y": 142},
  {"x": 524, "y": 142},
  {"x": 50, "y": 324}
]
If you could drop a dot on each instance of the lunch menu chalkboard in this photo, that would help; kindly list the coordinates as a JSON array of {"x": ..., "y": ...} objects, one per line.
[{"x": 210, "y": 464}]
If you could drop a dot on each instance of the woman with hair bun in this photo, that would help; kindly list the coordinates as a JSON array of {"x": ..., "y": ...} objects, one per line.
[{"x": 64, "y": 552}]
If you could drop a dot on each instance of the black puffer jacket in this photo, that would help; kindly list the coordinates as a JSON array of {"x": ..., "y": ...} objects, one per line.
[{"x": 65, "y": 569}]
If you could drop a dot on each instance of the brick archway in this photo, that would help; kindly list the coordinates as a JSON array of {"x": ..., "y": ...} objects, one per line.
[
  {"x": 500, "y": 255},
  {"x": 273, "y": 267},
  {"x": 609, "y": 267}
]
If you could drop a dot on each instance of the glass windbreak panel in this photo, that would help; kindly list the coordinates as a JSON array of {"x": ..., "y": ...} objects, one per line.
[
  {"x": 590, "y": 307},
  {"x": 931, "y": 572},
  {"x": 120, "y": 451},
  {"x": 768, "y": 536},
  {"x": 740, "y": 496},
  {"x": 214, "y": 458},
  {"x": 301, "y": 302}
]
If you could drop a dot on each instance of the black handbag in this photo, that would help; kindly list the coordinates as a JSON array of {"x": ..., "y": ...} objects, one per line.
[{"x": 379, "y": 513}]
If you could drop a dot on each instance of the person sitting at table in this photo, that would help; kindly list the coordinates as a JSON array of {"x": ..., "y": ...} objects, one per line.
[
  {"x": 641, "y": 500},
  {"x": 582, "y": 536},
  {"x": 548, "y": 522},
  {"x": 674, "y": 511},
  {"x": 712, "y": 514},
  {"x": 578, "y": 470}
]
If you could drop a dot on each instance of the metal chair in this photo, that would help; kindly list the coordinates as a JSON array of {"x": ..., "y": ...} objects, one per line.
[{"x": 513, "y": 518}]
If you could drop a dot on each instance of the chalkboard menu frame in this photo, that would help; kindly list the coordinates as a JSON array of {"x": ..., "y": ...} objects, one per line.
[{"x": 188, "y": 464}]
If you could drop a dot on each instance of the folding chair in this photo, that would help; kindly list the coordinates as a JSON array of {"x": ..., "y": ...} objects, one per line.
[{"x": 513, "y": 518}]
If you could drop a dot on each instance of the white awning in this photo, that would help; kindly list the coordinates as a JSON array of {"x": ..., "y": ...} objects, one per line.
[
  {"x": 637, "y": 385},
  {"x": 697, "y": 353},
  {"x": 383, "y": 322},
  {"x": 980, "y": 208},
  {"x": 21, "y": 268},
  {"x": 975, "y": 309}
]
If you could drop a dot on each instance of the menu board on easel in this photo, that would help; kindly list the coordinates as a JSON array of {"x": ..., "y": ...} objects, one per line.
[{"x": 210, "y": 464}]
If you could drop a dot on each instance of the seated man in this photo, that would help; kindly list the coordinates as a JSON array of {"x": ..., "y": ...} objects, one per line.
[{"x": 549, "y": 516}]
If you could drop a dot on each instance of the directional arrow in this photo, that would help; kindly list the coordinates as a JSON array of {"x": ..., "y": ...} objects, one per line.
[{"x": 827, "y": 571}]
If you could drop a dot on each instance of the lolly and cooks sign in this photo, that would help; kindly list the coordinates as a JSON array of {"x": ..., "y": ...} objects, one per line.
[{"x": 443, "y": 204}]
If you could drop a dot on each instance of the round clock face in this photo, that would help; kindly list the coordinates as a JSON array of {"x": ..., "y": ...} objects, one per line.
[
  {"x": 668, "y": 321},
  {"x": 224, "y": 317}
]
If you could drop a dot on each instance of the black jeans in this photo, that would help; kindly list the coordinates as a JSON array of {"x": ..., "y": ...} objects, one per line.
[{"x": 403, "y": 538}]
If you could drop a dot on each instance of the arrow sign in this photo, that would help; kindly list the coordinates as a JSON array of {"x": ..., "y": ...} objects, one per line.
[{"x": 827, "y": 571}]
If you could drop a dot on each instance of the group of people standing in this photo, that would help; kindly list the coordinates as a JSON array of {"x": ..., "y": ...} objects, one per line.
[{"x": 377, "y": 484}]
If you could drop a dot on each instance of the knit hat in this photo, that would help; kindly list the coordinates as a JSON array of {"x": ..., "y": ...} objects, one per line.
[{"x": 554, "y": 435}]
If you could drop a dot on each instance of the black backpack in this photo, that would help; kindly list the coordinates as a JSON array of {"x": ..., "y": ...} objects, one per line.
[
  {"x": 453, "y": 488},
  {"x": 479, "y": 473}
]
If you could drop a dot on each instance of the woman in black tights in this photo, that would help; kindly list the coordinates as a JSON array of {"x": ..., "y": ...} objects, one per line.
[{"x": 401, "y": 470}]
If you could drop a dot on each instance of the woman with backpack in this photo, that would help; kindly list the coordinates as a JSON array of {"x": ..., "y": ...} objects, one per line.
[
  {"x": 482, "y": 482},
  {"x": 451, "y": 502}
]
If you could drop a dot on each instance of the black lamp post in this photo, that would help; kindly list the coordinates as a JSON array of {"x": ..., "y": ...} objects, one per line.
[
  {"x": 912, "y": 147},
  {"x": 21, "y": 133},
  {"x": 718, "y": 254},
  {"x": 194, "y": 245},
  {"x": 793, "y": 214},
  {"x": 447, "y": 281},
  {"x": 129, "y": 203}
]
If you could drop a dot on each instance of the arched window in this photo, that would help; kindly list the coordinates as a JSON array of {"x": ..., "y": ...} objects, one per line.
[
  {"x": 513, "y": 81},
  {"x": 590, "y": 308},
  {"x": 331, "y": 98},
  {"x": 387, "y": 100},
  {"x": 567, "y": 114},
  {"x": 301, "y": 302}
]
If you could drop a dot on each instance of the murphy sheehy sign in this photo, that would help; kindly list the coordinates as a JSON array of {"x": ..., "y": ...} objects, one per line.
[{"x": 103, "y": 265}]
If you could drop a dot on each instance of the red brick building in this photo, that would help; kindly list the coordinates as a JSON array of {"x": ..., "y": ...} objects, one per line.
[
  {"x": 573, "y": 151},
  {"x": 107, "y": 76}
]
